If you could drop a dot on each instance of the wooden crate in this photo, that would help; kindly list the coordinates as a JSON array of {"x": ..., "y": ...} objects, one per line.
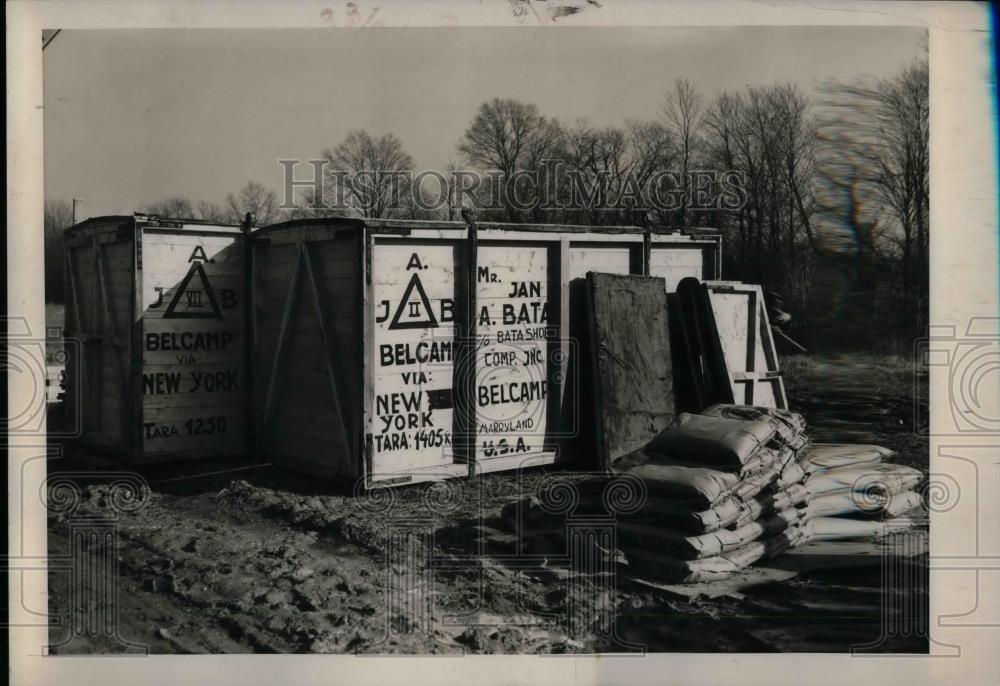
[
  {"x": 389, "y": 352},
  {"x": 158, "y": 308}
]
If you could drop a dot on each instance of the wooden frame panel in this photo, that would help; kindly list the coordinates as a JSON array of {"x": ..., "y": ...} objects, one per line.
[
  {"x": 120, "y": 346},
  {"x": 674, "y": 262},
  {"x": 728, "y": 353},
  {"x": 702, "y": 379},
  {"x": 92, "y": 316},
  {"x": 326, "y": 331},
  {"x": 745, "y": 333}
]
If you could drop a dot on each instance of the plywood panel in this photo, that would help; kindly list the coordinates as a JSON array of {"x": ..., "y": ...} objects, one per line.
[
  {"x": 609, "y": 259},
  {"x": 118, "y": 257},
  {"x": 307, "y": 371},
  {"x": 634, "y": 390},
  {"x": 180, "y": 429},
  {"x": 512, "y": 361},
  {"x": 114, "y": 289},
  {"x": 111, "y": 407},
  {"x": 674, "y": 264},
  {"x": 99, "y": 293},
  {"x": 413, "y": 347},
  {"x": 303, "y": 352},
  {"x": 183, "y": 240},
  {"x": 193, "y": 307},
  {"x": 297, "y": 448},
  {"x": 341, "y": 325},
  {"x": 85, "y": 282}
]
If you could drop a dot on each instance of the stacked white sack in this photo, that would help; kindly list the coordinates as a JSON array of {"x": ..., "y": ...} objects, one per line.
[
  {"x": 722, "y": 493},
  {"x": 852, "y": 493},
  {"x": 734, "y": 485}
]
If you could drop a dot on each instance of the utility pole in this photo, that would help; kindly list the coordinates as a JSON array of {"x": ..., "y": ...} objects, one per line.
[{"x": 75, "y": 201}]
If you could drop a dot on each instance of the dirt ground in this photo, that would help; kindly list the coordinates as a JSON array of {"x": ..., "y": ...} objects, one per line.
[{"x": 261, "y": 561}]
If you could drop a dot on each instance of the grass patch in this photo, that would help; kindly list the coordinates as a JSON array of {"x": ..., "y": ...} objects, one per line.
[{"x": 862, "y": 398}]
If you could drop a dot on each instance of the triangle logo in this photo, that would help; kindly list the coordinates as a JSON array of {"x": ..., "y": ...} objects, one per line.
[
  {"x": 194, "y": 297},
  {"x": 414, "y": 311}
]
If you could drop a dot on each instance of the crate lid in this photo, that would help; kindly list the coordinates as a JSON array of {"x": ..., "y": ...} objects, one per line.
[
  {"x": 154, "y": 221},
  {"x": 359, "y": 223}
]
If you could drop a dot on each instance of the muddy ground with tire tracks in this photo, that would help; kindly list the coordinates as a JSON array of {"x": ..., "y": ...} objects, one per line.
[{"x": 257, "y": 560}]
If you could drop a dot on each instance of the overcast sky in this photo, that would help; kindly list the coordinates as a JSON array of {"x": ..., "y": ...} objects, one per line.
[{"x": 135, "y": 116}]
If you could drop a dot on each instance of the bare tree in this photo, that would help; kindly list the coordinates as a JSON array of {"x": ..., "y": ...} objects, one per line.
[
  {"x": 601, "y": 162},
  {"x": 423, "y": 200},
  {"x": 58, "y": 215},
  {"x": 904, "y": 165},
  {"x": 499, "y": 133},
  {"x": 260, "y": 202},
  {"x": 614, "y": 166},
  {"x": 683, "y": 107},
  {"x": 873, "y": 185},
  {"x": 456, "y": 199},
  {"x": 796, "y": 149},
  {"x": 652, "y": 147},
  {"x": 211, "y": 212},
  {"x": 174, "y": 207},
  {"x": 374, "y": 173},
  {"x": 511, "y": 137},
  {"x": 764, "y": 135},
  {"x": 724, "y": 145}
]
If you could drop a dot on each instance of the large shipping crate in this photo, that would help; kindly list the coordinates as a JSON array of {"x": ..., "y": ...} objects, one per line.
[
  {"x": 388, "y": 352},
  {"x": 158, "y": 308}
]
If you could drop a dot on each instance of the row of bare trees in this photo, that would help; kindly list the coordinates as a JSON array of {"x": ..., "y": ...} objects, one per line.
[
  {"x": 873, "y": 192},
  {"x": 254, "y": 198},
  {"x": 766, "y": 133},
  {"x": 839, "y": 178},
  {"x": 835, "y": 192}
]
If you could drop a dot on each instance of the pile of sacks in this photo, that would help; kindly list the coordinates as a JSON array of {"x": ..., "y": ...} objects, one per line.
[{"x": 736, "y": 484}]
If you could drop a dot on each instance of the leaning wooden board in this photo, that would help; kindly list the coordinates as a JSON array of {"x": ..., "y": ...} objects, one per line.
[{"x": 633, "y": 387}]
